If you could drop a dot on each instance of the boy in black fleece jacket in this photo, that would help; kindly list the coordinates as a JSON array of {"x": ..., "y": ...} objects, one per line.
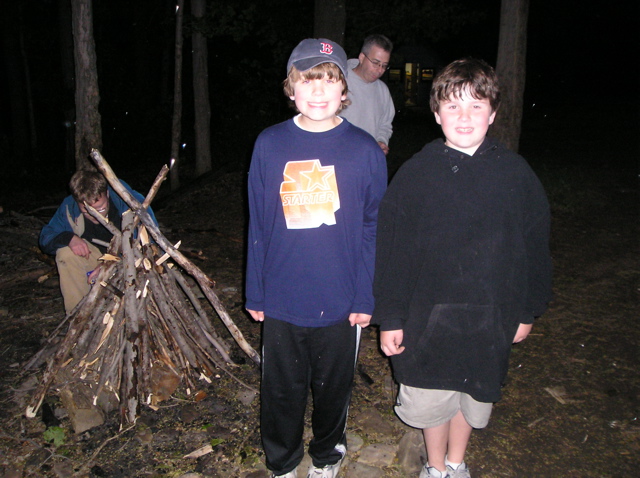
[{"x": 462, "y": 268}]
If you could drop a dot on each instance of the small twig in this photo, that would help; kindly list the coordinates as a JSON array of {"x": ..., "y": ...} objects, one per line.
[
  {"x": 247, "y": 386},
  {"x": 102, "y": 220},
  {"x": 155, "y": 186},
  {"x": 535, "y": 422},
  {"x": 85, "y": 467},
  {"x": 558, "y": 393}
]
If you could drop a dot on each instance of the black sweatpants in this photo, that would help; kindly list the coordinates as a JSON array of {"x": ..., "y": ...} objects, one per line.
[{"x": 295, "y": 359}]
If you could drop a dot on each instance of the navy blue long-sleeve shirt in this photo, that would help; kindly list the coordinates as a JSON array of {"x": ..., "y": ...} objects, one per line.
[{"x": 313, "y": 200}]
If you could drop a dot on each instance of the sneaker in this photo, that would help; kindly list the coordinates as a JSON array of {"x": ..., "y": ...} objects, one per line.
[
  {"x": 291, "y": 474},
  {"x": 328, "y": 471},
  {"x": 432, "y": 472},
  {"x": 461, "y": 472}
]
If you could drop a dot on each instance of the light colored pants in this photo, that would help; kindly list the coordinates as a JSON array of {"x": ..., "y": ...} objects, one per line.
[
  {"x": 73, "y": 270},
  {"x": 428, "y": 408}
]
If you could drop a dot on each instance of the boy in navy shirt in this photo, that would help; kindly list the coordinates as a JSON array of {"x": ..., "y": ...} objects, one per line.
[{"x": 315, "y": 183}]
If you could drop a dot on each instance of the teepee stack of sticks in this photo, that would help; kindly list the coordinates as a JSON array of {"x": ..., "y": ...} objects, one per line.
[{"x": 141, "y": 317}]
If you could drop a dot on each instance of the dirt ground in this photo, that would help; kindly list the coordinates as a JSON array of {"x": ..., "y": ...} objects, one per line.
[{"x": 570, "y": 405}]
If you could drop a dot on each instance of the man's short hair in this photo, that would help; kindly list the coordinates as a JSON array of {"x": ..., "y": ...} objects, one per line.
[
  {"x": 378, "y": 40},
  {"x": 87, "y": 186},
  {"x": 476, "y": 77},
  {"x": 317, "y": 72}
]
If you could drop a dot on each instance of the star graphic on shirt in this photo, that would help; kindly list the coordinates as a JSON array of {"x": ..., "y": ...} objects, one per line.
[{"x": 317, "y": 177}]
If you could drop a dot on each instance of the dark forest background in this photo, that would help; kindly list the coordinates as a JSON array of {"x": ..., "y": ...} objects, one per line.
[{"x": 578, "y": 55}]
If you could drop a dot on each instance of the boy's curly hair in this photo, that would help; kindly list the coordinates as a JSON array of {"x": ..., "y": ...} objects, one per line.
[{"x": 476, "y": 77}]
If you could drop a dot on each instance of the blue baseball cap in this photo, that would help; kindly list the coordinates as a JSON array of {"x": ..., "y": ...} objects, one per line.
[{"x": 315, "y": 51}]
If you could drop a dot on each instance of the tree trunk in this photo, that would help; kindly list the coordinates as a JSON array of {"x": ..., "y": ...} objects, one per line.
[
  {"x": 88, "y": 126},
  {"x": 201, "y": 91},
  {"x": 176, "y": 125},
  {"x": 330, "y": 18},
  {"x": 511, "y": 69}
]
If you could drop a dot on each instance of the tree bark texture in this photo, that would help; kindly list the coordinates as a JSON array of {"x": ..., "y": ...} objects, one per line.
[
  {"x": 511, "y": 70},
  {"x": 202, "y": 106},
  {"x": 88, "y": 121},
  {"x": 176, "y": 123}
]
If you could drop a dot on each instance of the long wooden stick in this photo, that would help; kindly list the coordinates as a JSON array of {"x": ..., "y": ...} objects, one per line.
[
  {"x": 162, "y": 175},
  {"x": 76, "y": 326},
  {"x": 129, "y": 403},
  {"x": 205, "y": 282}
]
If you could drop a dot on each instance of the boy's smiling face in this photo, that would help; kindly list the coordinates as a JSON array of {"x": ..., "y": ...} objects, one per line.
[
  {"x": 318, "y": 101},
  {"x": 101, "y": 205},
  {"x": 465, "y": 121}
]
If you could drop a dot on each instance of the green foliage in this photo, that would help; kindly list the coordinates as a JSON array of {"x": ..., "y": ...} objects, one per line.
[
  {"x": 55, "y": 435},
  {"x": 249, "y": 456},
  {"x": 215, "y": 442}
]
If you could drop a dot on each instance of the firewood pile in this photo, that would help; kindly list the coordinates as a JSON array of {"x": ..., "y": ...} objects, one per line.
[{"x": 140, "y": 320}]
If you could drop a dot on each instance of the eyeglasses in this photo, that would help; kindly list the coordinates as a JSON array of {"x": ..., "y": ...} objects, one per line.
[{"x": 376, "y": 63}]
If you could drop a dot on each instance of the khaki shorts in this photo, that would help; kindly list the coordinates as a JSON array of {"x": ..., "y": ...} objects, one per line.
[{"x": 424, "y": 408}]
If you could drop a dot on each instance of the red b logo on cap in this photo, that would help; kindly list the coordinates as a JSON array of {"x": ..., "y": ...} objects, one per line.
[{"x": 327, "y": 48}]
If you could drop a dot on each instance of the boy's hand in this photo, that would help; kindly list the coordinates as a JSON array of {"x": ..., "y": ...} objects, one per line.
[
  {"x": 79, "y": 247},
  {"x": 91, "y": 278},
  {"x": 362, "y": 320},
  {"x": 390, "y": 342},
  {"x": 258, "y": 315},
  {"x": 522, "y": 332}
]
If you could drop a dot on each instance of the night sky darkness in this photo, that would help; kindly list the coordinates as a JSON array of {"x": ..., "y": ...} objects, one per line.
[{"x": 576, "y": 56}]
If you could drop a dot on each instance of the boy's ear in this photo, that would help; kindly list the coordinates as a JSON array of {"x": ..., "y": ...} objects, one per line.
[
  {"x": 492, "y": 117},
  {"x": 438, "y": 117}
]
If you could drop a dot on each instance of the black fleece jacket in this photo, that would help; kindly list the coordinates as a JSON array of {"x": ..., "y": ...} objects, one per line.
[{"x": 462, "y": 260}]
